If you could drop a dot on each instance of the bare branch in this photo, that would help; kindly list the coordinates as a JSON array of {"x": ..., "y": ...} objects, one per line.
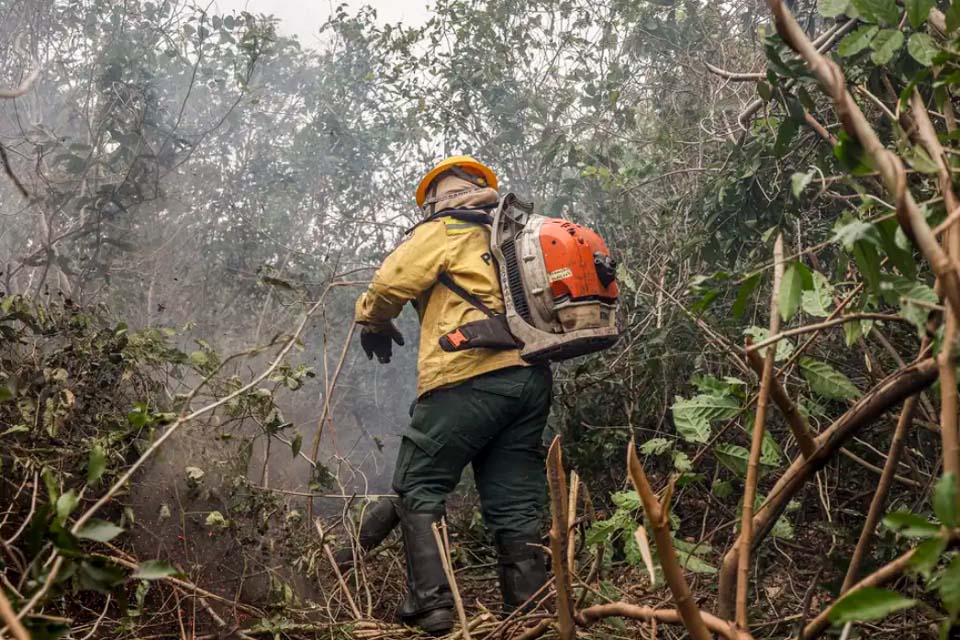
[
  {"x": 689, "y": 612},
  {"x": 756, "y": 445}
]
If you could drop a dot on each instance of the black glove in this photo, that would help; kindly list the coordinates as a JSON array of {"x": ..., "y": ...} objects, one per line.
[{"x": 380, "y": 342}]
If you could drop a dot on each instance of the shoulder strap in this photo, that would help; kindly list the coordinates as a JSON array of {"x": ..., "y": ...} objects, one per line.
[
  {"x": 478, "y": 216},
  {"x": 445, "y": 279}
]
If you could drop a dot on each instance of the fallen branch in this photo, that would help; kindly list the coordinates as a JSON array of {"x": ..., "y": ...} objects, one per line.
[
  {"x": 666, "y": 616},
  {"x": 659, "y": 518}
]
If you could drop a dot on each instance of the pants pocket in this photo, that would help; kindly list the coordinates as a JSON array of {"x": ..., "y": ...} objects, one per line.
[{"x": 416, "y": 448}]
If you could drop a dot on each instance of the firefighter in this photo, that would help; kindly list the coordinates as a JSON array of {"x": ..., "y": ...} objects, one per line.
[{"x": 483, "y": 407}]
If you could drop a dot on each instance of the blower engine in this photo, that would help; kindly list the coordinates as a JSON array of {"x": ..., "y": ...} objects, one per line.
[{"x": 558, "y": 281}]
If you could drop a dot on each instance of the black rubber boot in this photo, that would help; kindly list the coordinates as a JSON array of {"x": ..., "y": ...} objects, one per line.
[
  {"x": 429, "y": 603},
  {"x": 522, "y": 570},
  {"x": 379, "y": 519}
]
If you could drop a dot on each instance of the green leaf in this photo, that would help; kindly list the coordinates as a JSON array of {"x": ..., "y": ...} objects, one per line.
[
  {"x": 782, "y": 529},
  {"x": 885, "y": 44},
  {"x": 759, "y": 334},
  {"x": 945, "y": 500},
  {"x": 722, "y": 488},
  {"x": 693, "y": 417},
  {"x": 911, "y": 525},
  {"x": 100, "y": 575},
  {"x": 920, "y": 160},
  {"x": 743, "y": 295},
  {"x": 693, "y": 428},
  {"x": 6, "y": 394},
  {"x": 868, "y": 259},
  {"x": 96, "y": 464},
  {"x": 818, "y": 301},
  {"x": 682, "y": 462},
  {"x": 99, "y": 531},
  {"x": 922, "y": 48},
  {"x": 733, "y": 457},
  {"x": 66, "y": 503},
  {"x": 625, "y": 278},
  {"x": 883, "y": 11},
  {"x": 918, "y": 10},
  {"x": 693, "y": 564},
  {"x": 826, "y": 381},
  {"x": 770, "y": 453},
  {"x": 154, "y": 570},
  {"x": 785, "y": 134},
  {"x": 689, "y": 555},
  {"x": 927, "y": 555},
  {"x": 790, "y": 291},
  {"x": 799, "y": 182},
  {"x": 17, "y": 428},
  {"x": 952, "y": 15},
  {"x": 950, "y": 587},
  {"x": 868, "y": 603},
  {"x": 851, "y": 233},
  {"x": 764, "y": 91},
  {"x": 655, "y": 446},
  {"x": 295, "y": 444},
  {"x": 856, "y": 41},
  {"x": 626, "y": 500},
  {"x": 832, "y": 8},
  {"x": 901, "y": 258},
  {"x": 906, "y": 291}
]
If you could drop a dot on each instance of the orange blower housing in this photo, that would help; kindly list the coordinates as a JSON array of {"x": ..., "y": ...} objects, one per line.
[
  {"x": 558, "y": 281},
  {"x": 570, "y": 258}
]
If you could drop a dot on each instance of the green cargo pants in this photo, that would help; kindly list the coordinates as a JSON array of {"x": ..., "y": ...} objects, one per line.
[{"x": 494, "y": 422}]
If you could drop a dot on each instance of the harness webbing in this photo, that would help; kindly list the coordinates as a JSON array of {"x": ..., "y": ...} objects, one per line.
[{"x": 447, "y": 281}]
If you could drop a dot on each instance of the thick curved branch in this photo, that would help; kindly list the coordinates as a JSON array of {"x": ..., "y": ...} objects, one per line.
[{"x": 889, "y": 393}]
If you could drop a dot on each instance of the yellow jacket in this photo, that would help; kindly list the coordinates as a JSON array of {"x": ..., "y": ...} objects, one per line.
[{"x": 462, "y": 250}]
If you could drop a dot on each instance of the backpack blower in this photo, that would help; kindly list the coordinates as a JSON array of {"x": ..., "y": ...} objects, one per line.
[{"x": 558, "y": 282}]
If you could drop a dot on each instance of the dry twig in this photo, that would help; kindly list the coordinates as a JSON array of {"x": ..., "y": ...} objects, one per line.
[
  {"x": 756, "y": 445},
  {"x": 557, "y": 481},
  {"x": 659, "y": 518}
]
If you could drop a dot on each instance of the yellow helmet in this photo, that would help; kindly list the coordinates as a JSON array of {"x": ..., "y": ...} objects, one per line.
[{"x": 485, "y": 176}]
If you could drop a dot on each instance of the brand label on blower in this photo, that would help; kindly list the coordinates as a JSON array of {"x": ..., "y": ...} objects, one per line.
[{"x": 560, "y": 274}]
